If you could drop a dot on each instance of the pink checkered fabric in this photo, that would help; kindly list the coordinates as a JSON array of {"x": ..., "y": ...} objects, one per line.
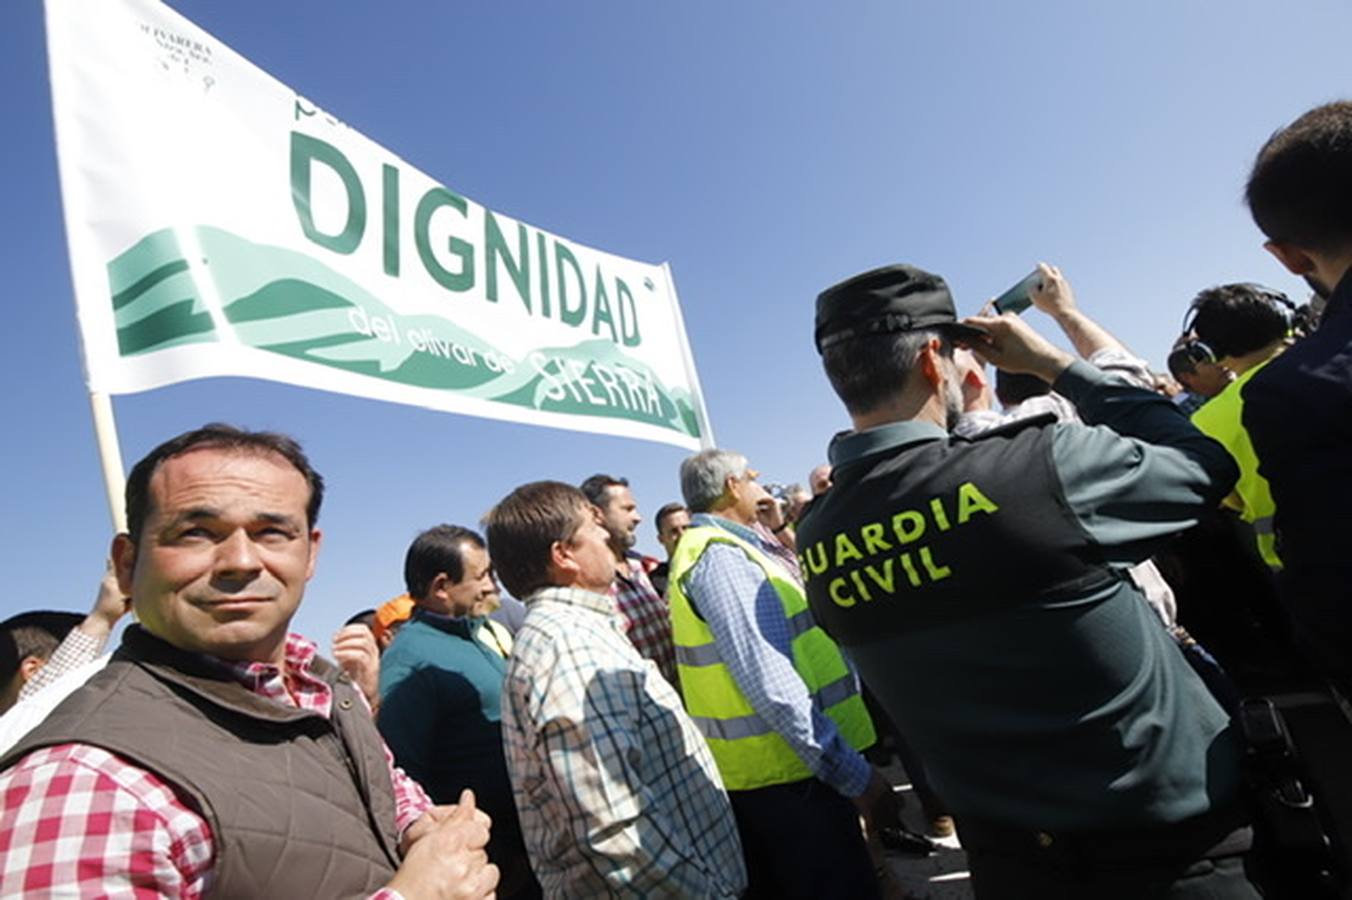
[{"x": 76, "y": 820}]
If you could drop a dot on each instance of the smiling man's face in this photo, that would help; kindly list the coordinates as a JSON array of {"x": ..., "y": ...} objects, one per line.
[{"x": 222, "y": 560}]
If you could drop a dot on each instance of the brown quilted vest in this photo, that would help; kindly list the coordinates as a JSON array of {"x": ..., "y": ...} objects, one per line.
[{"x": 299, "y": 806}]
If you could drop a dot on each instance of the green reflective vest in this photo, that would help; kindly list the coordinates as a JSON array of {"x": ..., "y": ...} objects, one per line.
[
  {"x": 1222, "y": 418},
  {"x": 749, "y": 753}
]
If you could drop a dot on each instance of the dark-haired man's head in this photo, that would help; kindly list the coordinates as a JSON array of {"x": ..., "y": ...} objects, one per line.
[
  {"x": 221, "y": 541},
  {"x": 218, "y": 436},
  {"x": 619, "y": 509},
  {"x": 672, "y": 521},
  {"x": 366, "y": 617},
  {"x": 1195, "y": 368},
  {"x": 30, "y": 639},
  {"x": 447, "y": 570},
  {"x": 1012, "y": 388},
  {"x": 1236, "y": 320},
  {"x": 886, "y": 339},
  {"x": 549, "y": 534},
  {"x": 1298, "y": 192}
]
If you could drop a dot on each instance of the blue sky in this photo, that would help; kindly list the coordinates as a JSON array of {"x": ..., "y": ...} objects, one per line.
[{"x": 766, "y": 150}]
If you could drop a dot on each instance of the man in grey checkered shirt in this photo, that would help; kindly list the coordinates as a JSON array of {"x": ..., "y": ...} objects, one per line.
[{"x": 617, "y": 792}]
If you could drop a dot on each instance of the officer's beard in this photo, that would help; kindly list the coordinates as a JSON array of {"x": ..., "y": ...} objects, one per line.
[{"x": 952, "y": 398}]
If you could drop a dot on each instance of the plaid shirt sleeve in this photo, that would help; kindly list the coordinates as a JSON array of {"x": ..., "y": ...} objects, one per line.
[
  {"x": 76, "y": 820},
  {"x": 753, "y": 640},
  {"x": 647, "y": 618},
  {"x": 77, "y": 649}
]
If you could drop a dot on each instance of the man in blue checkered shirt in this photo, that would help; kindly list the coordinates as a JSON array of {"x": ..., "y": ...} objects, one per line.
[{"x": 617, "y": 792}]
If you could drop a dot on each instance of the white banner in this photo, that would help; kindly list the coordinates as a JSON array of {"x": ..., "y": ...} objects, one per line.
[{"x": 221, "y": 224}]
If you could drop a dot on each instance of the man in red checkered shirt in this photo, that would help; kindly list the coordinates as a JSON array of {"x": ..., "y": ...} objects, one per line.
[
  {"x": 647, "y": 617},
  {"x": 218, "y": 753}
]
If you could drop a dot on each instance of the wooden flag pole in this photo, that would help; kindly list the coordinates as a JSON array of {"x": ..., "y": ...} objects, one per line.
[{"x": 110, "y": 457}]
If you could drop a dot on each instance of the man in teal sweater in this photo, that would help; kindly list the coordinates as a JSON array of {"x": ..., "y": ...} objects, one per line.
[{"x": 441, "y": 688}]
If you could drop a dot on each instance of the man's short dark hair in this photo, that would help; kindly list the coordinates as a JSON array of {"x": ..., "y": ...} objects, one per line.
[
  {"x": 523, "y": 527},
  {"x": 217, "y": 436},
  {"x": 868, "y": 371},
  {"x": 437, "y": 550},
  {"x": 1301, "y": 180},
  {"x": 597, "y": 487},
  {"x": 1012, "y": 388},
  {"x": 1235, "y": 319},
  {"x": 366, "y": 617},
  {"x": 36, "y": 633},
  {"x": 668, "y": 509},
  {"x": 9, "y": 658}
]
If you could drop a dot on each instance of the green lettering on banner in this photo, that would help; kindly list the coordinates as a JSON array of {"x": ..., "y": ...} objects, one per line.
[
  {"x": 544, "y": 273},
  {"x": 518, "y": 267},
  {"x": 433, "y": 200},
  {"x": 390, "y": 183},
  {"x": 628, "y": 314},
  {"x": 570, "y": 316},
  {"x": 601, "y": 309},
  {"x": 305, "y": 151}
]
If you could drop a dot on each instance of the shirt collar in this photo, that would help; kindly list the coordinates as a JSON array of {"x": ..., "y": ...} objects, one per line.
[
  {"x": 465, "y": 626},
  {"x": 848, "y": 446},
  {"x": 713, "y": 520},
  {"x": 588, "y": 600},
  {"x": 300, "y": 655}
]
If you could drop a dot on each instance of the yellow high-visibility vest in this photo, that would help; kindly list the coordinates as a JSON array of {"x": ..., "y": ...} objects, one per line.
[
  {"x": 1222, "y": 418},
  {"x": 749, "y": 753}
]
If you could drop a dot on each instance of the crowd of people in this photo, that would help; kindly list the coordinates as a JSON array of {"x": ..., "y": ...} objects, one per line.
[{"x": 1098, "y": 612}]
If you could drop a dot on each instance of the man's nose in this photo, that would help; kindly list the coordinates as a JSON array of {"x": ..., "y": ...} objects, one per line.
[{"x": 237, "y": 555}]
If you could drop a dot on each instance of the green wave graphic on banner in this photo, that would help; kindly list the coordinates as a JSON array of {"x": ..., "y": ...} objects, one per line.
[{"x": 288, "y": 303}]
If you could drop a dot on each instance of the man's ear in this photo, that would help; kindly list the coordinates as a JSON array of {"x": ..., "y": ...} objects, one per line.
[
  {"x": 438, "y": 585},
  {"x": 561, "y": 561},
  {"x": 1296, "y": 260},
  {"x": 29, "y": 667},
  {"x": 928, "y": 359},
  {"x": 316, "y": 538},
  {"x": 123, "y": 555}
]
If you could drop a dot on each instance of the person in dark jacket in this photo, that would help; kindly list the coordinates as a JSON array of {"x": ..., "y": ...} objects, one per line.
[
  {"x": 1079, "y": 753},
  {"x": 217, "y": 752},
  {"x": 441, "y": 690}
]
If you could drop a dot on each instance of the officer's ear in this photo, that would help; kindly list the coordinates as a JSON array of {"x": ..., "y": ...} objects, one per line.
[
  {"x": 1296, "y": 260},
  {"x": 927, "y": 362}
]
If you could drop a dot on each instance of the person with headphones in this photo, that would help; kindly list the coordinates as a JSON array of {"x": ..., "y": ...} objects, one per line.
[{"x": 1240, "y": 327}]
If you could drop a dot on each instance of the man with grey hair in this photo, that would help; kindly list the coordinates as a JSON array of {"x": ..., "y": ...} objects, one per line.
[{"x": 772, "y": 695}]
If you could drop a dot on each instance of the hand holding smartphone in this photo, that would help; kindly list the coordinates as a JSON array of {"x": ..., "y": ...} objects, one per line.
[{"x": 1020, "y": 296}]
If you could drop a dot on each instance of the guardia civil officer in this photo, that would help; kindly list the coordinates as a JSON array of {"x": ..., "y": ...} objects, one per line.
[{"x": 979, "y": 586}]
